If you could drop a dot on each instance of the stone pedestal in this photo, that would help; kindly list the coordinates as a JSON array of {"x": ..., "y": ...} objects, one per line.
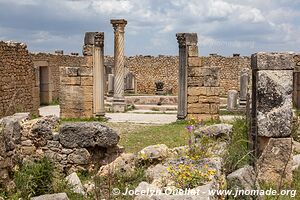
[
  {"x": 232, "y": 100},
  {"x": 272, "y": 77},
  {"x": 130, "y": 83},
  {"x": 244, "y": 81},
  {"x": 118, "y": 98},
  {"x": 110, "y": 85}
]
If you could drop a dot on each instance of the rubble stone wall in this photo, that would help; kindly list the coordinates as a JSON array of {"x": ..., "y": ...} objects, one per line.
[
  {"x": 19, "y": 91},
  {"x": 54, "y": 63}
]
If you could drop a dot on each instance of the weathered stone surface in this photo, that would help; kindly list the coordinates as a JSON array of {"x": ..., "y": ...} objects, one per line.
[
  {"x": 296, "y": 162},
  {"x": 272, "y": 61},
  {"x": 125, "y": 163},
  {"x": 243, "y": 179},
  {"x": 216, "y": 130},
  {"x": 276, "y": 161},
  {"x": 211, "y": 76},
  {"x": 58, "y": 196},
  {"x": 87, "y": 134},
  {"x": 153, "y": 152},
  {"x": 159, "y": 175},
  {"x": 10, "y": 134},
  {"x": 232, "y": 100},
  {"x": 296, "y": 146},
  {"x": 41, "y": 130},
  {"x": 79, "y": 156},
  {"x": 274, "y": 103},
  {"x": 74, "y": 181}
]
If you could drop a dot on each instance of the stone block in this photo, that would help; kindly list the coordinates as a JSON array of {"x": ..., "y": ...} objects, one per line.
[
  {"x": 212, "y": 91},
  {"x": 198, "y": 108},
  {"x": 232, "y": 100},
  {"x": 192, "y": 99},
  {"x": 204, "y": 117},
  {"x": 71, "y": 71},
  {"x": 272, "y": 61},
  {"x": 87, "y": 81},
  {"x": 196, "y": 91},
  {"x": 193, "y": 51},
  {"x": 85, "y": 71},
  {"x": 209, "y": 99},
  {"x": 70, "y": 80},
  {"x": 194, "y": 61},
  {"x": 274, "y": 103},
  {"x": 214, "y": 108},
  {"x": 275, "y": 162},
  {"x": 211, "y": 76},
  {"x": 195, "y": 81},
  {"x": 195, "y": 71}
]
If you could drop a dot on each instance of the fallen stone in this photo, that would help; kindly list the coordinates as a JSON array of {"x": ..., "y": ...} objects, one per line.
[
  {"x": 243, "y": 179},
  {"x": 87, "y": 134},
  {"x": 58, "y": 196},
  {"x": 216, "y": 130},
  {"x": 160, "y": 176},
  {"x": 125, "y": 163},
  {"x": 74, "y": 181},
  {"x": 151, "y": 153},
  {"x": 79, "y": 156},
  {"x": 296, "y": 162}
]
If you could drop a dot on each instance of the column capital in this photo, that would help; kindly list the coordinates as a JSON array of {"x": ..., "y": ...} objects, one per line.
[
  {"x": 185, "y": 39},
  {"x": 99, "y": 39},
  {"x": 118, "y": 24}
]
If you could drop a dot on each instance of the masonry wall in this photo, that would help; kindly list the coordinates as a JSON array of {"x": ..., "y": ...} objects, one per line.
[
  {"x": 19, "y": 91},
  {"x": 149, "y": 69},
  {"x": 55, "y": 62}
]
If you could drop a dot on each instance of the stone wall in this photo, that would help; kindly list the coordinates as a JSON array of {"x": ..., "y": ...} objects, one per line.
[
  {"x": 54, "y": 62},
  {"x": 230, "y": 68},
  {"x": 71, "y": 146},
  {"x": 149, "y": 69},
  {"x": 19, "y": 90}
]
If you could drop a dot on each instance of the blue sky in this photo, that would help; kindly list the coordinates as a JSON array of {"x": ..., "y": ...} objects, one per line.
[{"x": 223, "y": 26}]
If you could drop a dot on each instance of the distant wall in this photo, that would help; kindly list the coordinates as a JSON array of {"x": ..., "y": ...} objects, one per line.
[
  {"x": 149, "y": 69},
  {"x": 19, "y": 90},
  {"x": 54, "y": 63}
]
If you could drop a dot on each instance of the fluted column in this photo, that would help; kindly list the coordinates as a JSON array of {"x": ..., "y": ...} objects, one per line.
[
  {"x": 119, "y": 62},
  {"x": 98, "y": 74}
]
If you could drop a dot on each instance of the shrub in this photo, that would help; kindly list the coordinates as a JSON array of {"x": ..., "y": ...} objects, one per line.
[{"x": 34, "y": 178}]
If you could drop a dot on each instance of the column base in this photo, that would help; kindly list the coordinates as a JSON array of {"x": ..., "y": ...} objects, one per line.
[{"x": 119, "y": 105}]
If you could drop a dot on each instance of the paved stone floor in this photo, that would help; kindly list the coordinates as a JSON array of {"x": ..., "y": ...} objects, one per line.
[{"x": 146, "y": 117}]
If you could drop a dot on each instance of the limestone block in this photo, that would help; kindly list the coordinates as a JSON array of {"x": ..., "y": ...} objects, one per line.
[
  {"x": 276, "y": 161},
  {"x": 70, "y": 80},
  {"x": 274, "y": 103},
  {"x": 198, "y": 108},
  {"x": 214, "y": 108},
  {"x": 211, "y": 76},
  {"x": 195, "y": 71},
  {"x": 194, "y": 61},
  {"x": 272, "y": 61},
  {"x": 232, "y": 100},
  {"x": 194, "y": 81},
  {"x": 196, "y": 91},
  {"x": 212, "y": 91},
  {"x": 79, "y": 156},
  {"x": 87, "y": 81},
  {"x": 71, "y": 71},
  {"x": 57, "y": 196},
  {"x": 193, "y": 51},
  {"x": 85, "y": 71},
  {"x": 209, "y": 99},
  {"x": 192, "y": 99}
]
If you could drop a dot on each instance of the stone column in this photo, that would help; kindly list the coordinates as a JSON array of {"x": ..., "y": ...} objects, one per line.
[
  {"x": 272, "y": 87},
  {"x": 118, "y": 99},
  {"x": 244, "y": 81},
  {"x": 187, "y": 47},
  {"x": 232, "y": 100},
  {"x": 98, "y": 75}
]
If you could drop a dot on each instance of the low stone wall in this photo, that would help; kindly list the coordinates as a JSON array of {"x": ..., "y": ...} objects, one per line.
[
  {"x": 71, "y": 146},
  {"x": 19, "y": 90},
  {"x": 54, "y": 62}
]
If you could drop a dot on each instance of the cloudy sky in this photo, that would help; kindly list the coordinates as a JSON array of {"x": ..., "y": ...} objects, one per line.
[{"x": 223, "y": 26}]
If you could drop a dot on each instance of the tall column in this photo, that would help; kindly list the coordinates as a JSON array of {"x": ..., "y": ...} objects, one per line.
[
  {"x": 118, "y": 99},
  {"x": 187, "y": 47},
  {"x": 98, "y": 74},
  {"x": 244, "y": 81}
]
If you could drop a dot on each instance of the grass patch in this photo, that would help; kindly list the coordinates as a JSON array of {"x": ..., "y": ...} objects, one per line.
[
  {"x": 172, "y": 135},
  {"x": 226, "y": 112},
  {"x": 237, "y": 153}
]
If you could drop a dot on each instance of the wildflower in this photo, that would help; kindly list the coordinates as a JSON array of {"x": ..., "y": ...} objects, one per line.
[{"x": 190, "y": 128}]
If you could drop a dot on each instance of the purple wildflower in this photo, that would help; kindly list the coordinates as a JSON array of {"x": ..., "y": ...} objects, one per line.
[{"x": 190, "y": 128}]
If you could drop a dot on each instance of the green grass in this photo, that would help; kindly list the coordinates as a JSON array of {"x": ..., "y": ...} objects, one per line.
[
  {"x": 237, "y": 153},
  {"x": 172, "y": 135},
  {"x": 226, "y": 112}
]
